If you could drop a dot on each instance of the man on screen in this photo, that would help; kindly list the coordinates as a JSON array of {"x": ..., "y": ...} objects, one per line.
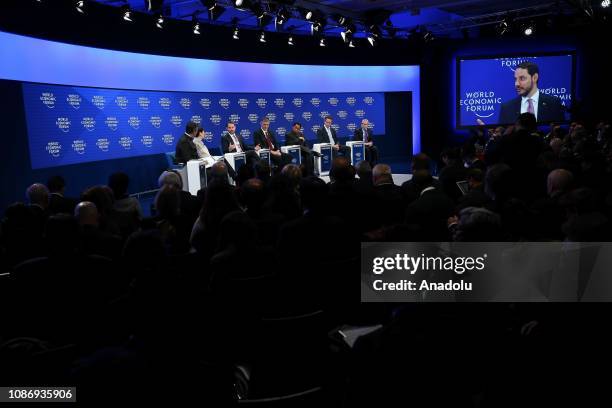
[
  {"x": 364, "y": 134},
  {"x": 546, "y": 108},
  {"x": 185, "y": 148}
]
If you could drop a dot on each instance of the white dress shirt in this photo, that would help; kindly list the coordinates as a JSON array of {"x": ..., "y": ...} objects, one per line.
[
  {"x": 329, "y": 134},
  {"x": 525, "y": 104},
  {"x": 236, "y": 143}
]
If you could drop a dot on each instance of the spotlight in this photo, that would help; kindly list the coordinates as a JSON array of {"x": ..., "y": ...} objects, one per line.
[
  {"x": 340, "y": 19},
  {"x": 348, "y": 32},
  {"x": 290, "y": 40},
  {"x": 605, "y": 3},
  {"x": 428, "y": 36},
  {"x": 318, "y": 26},
  {"x": 371, "y": 40},
  {"x": 503, "y": 27},
  {"x": 126, "y": 12},
  {"x": 311, "y": 15},
  {"x": 262, "y": 36},
  {"x": 80, "y": 6},
  {"x": 215, "y": 12},
  {"x": 159, "y": 21},
  {"x": 242, "y": 4},
  {"x": 154, "y": 5},
  {"x": 322, "y": 42},
  {"x": 528, "y": 30},
  {"x": 351, "y": 44},
  {"x": 196, "y": 25},
  {"x": 236, "y": 32}
]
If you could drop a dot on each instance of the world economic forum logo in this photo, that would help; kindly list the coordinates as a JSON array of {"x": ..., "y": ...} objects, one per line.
[
  {"x": 224, "y": 103},
  {"x": 103, "y": 144},
  {"x": 245, "y": 133},
  {"x": 215, "y": 119},
  {"x": 88, "y": 123},
  {"x": 176, "y": 120},
  {"x": 134, "y": 122},
  {"x": 54, "y": 149},
  {"x": 208, "y": 136},
  {"x": 342, "y": 114},
  {"x": 481, "y": 103},
  {"x": 281, "y": 131},
  {"x": 297, "y": 102},
  {"x": 125, "y": 142},
  {"x": 205, "y": 103},
  {"x": 63, "y": 124},
  {"x": 155, "y": 121},
  {"x": 279, "y": 102},
  {"x": 307, "y": 116},
  {"x": 315, "y": 128},
  {"x": 336, "y": 127},
  {"x": 333, "y": 101},
  {"x": 144, "y": 102},
  {"x": 234, "y": 117},
  {"x": 368, "y": 100},
  {"x": 196, "y": 119},
  {"x": 147, "y": 141},
  {"x": 74, "y": 100},
  {"x": 111, "y": 122},
  {"x": 271, "y": 116},
  {"x": 48, "y": 99},
  {"x": 261, "y": 102},
  {"x": 351, "y": 126},
  {"x": 185, "y": 103},
  {"x": 350, "y": 100},
  {"x": 121, "y": 102},
  {"x": 323, "y": 114},
  {"x": 243, "y": 103},
  {"x": 289, "y": 116},
  {"x": 99, "y": 101},
  {"x": 512, "y": 63},
  {"x": 253, "y": 117},
  {"x": 79, "y": 146},
  {"x": 315, "y": 101},
  {"x": 168, "y": 139},
  {"x": 165, "y": 102},
  {"x": 360, "y": 113}
]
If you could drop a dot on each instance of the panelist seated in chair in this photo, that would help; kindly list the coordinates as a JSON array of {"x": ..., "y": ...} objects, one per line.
[
  {"x": 232, "y": 142},
  {"x": 364, "y": 134},
  {"x": 265, "y": 139},
  {"x": 327, "y": 134},
  {"x": 296, "y": 137},
  {"x": 185, "y": 148},
  {"x": 203, "y": 153}
]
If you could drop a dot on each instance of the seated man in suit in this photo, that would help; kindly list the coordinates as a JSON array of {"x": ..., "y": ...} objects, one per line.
[
  {"x": 546, "y": 108},
  {"x": 232, "y": 142},
  {"x": 364, "y": 134},
  {"x": 327, "y": 134},
  {"x": 296, "y": 137},
  {"x": 265, "y": 139},
  {"x": 185, "y": 148}
]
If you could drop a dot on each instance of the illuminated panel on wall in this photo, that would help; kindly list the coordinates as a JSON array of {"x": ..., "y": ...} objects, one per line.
[{"x": 34, "y": 60}]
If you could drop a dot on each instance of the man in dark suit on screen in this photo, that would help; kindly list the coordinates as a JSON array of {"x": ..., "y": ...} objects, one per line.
[
  {"x": 546, "y": 108},
  {"x": 265, "y": 139},
  {"x": 364, "y": 134},
  {"x": 327, "y": 134}
]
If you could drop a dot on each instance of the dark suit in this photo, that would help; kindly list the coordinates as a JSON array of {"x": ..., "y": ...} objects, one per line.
[
  {"x": 260, "y": 139},
  {"x": 371, "y": 152},
  {"x": 185, "y": 149},
  {"x": 549, "y": 110},
  {"x": 322, "y": 137},
  {"x": 249, "y": 153},
  {"x": 292, "y": 139}
]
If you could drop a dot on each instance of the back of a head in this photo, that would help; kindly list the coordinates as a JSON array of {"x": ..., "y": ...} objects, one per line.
[
  {"x": 381, "y": 174},
  {"x": 253, "y": 194},
  {"x": 313, "y": 192},
  {"x": 219, "y": 173},
  {"x": 145, "y": 251},
  {"x": 341, "y": 170},
  {"x": 421, "y": 161},
  {"x": 56, "y": 184},
  {"x": 499, "y": 181},
  {"x": 527, "y": 121},
  {"x": 559, "y": 181},
  {"x": 237, "y": 229},
  {"x": 262, "y": 170},
  {"x": 86, "y": 213},
  {"x": 119, "y": 182},
  {"x": 168, "y": 202},
  {"x": 293, "y": 174},
  {"x": 364, "y": 170},
  {"x": 170, "y": 178},
  {"x": 101, "y": 196},
  {"x": 61, "y": 234},
  {"x": 479, "y": 225},
  {"x": 38, "y": 194}
]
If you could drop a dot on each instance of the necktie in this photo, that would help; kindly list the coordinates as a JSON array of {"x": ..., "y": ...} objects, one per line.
[
  {"x": 236, "y": 143},
  {"x": 268, "y": 141},
  {"x": 530, "y": 106},
  {"x": 365, "y": 136}
]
